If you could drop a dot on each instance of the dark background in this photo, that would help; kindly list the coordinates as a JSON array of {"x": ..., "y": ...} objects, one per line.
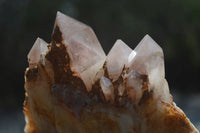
[{"x": 173, "y": 24}]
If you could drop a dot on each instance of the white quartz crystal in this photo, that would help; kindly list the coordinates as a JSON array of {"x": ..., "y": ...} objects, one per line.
[
  {"x": 148, "y": 59},
  {"x": 107, "y": 88},
  {"x": 134, "y": 86},
  {"x": 145, "y": 56},
  {"x": 121, "y": 89},
  {"x": 84, "y": 49},
  {"x": 131, "y": 56},
  {"x": 37, "y": 51},
  {"x": 117, "y": 58}
]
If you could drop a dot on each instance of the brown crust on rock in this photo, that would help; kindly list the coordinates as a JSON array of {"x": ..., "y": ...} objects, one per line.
[
  {"x": 176, "y": 118},
  {"x": 146, "y": 97},
  {"x": 57, "y": 35},
  {"x": 31, "y": 74},
  {"x": 60, "y": 60},
  {"x": 96, "y": 94}
]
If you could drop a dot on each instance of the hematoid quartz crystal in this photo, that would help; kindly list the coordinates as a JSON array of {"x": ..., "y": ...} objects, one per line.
[{"x": 73, "y": 87}]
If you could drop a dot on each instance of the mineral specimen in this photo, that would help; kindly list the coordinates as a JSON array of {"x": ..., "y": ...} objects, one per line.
[{"x": 73, "y": 87}]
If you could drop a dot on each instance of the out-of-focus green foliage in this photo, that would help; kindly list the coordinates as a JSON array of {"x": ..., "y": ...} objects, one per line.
[{"x": 174, "y": 24}]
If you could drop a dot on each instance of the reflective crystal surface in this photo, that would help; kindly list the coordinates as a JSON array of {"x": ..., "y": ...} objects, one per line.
[{"x": 147, "y": 56}]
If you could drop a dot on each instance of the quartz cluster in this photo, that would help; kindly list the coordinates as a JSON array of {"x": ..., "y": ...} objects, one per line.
[{"x": 72, "y": 86}]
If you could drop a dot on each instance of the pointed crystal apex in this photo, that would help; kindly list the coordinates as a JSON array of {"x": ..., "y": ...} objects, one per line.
[
  {"x": 74, "y": 31},
  {"x": 148, "y": 60},
  {"x": 39, "y": 48},
  {"x": 86, "y": 54},
  {"x": 149, "y": 45},
  {"x": 117, "y": 58},
  {"x": 147, "y": 56},
  {"x": 107, "y": 88}
]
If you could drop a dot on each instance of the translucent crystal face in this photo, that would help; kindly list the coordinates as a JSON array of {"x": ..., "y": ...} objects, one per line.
[
  {"x": 37, "y": 51},
  {"x": 84, "y": 49},
  {"x": 77, "y": 33},
  {"x": 107, "y": 88},
  {"x": 134, "y": 86},
  {"x": 117, "y": 59},
  {"x": 147, "y": 58},
  {"x": 144, "y": 57}
]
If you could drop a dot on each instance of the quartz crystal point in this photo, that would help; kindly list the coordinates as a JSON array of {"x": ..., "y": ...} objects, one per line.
[
  {"x": 117, "y": 59},
  {"x": 145, "y": 57},
  {"x": 36, "y": 53},
  {"x": 72, "y": 87},
  {"x": 134, "y": 86},
  {"x": 148, "y": 59},
  {"x": 107, "y": 88},
  {"x": 84, "y": 48}
]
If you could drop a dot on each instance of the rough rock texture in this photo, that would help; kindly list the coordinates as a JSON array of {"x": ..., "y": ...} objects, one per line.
[{"x": 71, "y": 87}]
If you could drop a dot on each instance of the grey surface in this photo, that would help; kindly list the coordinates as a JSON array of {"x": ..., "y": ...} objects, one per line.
[{"x": 13, "y": 122}]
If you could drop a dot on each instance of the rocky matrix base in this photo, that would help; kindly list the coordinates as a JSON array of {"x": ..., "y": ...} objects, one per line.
[{"x": 73, "y": 87}]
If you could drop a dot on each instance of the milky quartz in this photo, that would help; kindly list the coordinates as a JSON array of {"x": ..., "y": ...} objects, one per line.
[
  {"x": 37, "y": 51},
  {"x": 117, "y": 59},
  {"x": 145, "y": 57},
  {"x": 134, "y": 86},
  {"x": 83, "y": 48},
  {"x": 148, "y": 59},
  {"x": 126, "y": 91},
  {"x": 107, "y": 88}
]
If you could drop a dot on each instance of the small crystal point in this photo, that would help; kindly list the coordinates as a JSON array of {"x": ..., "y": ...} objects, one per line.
[
  {"x": 134, "y": 86},
  {"x": 86, "y": 54},
  {"x": 107, "y": 88},
  {"x": 146, "y": 56},
  {"x": 39, "y": 48},
  {"x": 117, "y": 58},
  {"x": 148, "y": 60}
]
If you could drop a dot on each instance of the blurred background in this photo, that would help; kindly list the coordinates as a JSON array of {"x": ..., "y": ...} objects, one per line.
[{"x": 173, "y": 24}]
